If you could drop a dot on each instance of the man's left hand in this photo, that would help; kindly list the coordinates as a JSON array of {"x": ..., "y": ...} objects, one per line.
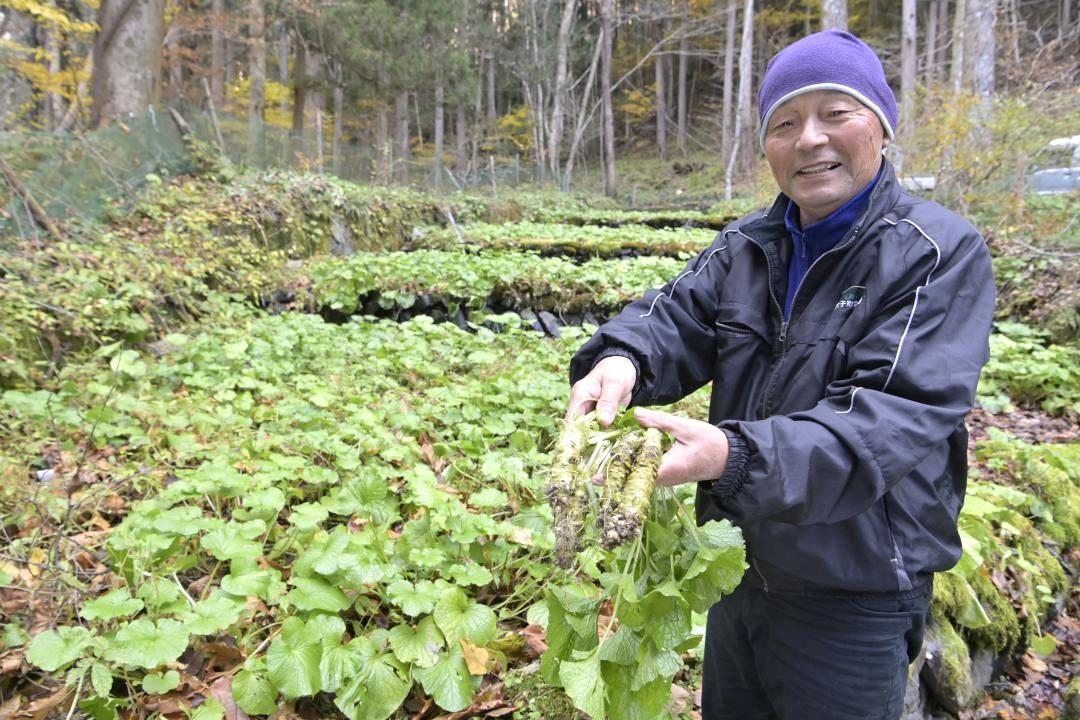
[{"x": 700, "y": 451}]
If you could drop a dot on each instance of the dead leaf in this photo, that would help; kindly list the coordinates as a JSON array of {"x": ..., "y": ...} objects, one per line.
[
  {"x": 11, "y": 661},
  {"x": 423, "y": 709},
  {"x": 222, "y": 655},
  {"x": 522, "y": 536},
  {"x": 476, "y": 658},
  {"x": 491, "y": 699},
  {"x": 39, "y": 709},
  {"x": 535, "y": 641},
  {"x": 222, "y": 691},
  {"x": 256, "y": 605},
  {"x": 7, "y": 710},
  {"x": 1033, "y": 663},
  {"x": 678, "y": 700}
]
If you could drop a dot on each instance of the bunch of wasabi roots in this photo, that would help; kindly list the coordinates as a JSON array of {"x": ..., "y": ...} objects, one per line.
[{"x": 627, "y": 457}]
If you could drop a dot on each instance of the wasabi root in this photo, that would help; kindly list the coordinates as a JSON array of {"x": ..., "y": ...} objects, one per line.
[
  {"x": 630, "y": 460},
  {"x": 567, "y": 494},
  {"x": 625, "y": 521}
]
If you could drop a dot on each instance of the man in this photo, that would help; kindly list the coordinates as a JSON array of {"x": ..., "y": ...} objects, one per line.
[{"x": 843, "y": 330}]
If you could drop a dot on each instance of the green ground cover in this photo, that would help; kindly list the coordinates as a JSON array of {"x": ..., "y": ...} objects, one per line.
[
  {"x": 257, "y": 465},
  {"x": 572, "y": 240},
  {"x": 317, "y": 510},
  {"x": 517, "y": 279}
]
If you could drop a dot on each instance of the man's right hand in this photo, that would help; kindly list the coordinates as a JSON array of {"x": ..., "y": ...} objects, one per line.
[{"x": 607, "y": 387}]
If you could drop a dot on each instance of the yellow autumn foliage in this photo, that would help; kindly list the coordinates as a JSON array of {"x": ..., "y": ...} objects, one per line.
[{"x": 44, "y": 13}]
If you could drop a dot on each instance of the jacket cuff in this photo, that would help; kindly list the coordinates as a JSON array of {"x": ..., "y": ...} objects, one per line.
[
  {"x": 619, "y": 352},
  {"x": 737, "y": 469}
]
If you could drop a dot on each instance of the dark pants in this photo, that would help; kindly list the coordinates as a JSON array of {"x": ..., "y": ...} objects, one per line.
[{"x": 796, "y": 656}]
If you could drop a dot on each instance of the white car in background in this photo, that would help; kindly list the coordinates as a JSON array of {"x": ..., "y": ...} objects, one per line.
[{"x": 1059, "y": 164}]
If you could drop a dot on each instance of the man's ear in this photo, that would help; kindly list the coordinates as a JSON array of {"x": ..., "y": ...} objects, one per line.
[{"x": 885, "y": 142}]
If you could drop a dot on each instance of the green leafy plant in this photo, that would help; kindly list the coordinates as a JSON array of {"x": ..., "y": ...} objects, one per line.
[
  {"x": 1023, "y": 369},
  {"x": 515, "y": 278}
]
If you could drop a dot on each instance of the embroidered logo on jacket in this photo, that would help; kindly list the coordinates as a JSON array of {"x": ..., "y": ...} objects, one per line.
[{"x": 851, "y": 297}]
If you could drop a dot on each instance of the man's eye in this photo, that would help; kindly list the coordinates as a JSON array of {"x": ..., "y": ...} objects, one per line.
[
  {"x": 782, "y": 125},
  {"x": 838, "y": 113}
]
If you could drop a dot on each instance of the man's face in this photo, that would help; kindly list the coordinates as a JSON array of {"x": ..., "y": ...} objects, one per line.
[{"x": 823, "y": 147}]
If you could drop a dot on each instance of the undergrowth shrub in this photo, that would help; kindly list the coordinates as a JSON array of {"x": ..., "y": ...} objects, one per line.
[{"x": 1024, "y": 369}]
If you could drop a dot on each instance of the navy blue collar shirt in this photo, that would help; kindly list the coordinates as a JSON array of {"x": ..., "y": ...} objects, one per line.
[{"x": 814, "y": 240}]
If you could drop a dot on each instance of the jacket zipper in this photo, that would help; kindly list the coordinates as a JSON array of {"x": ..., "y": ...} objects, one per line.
[{"x": 785, "y": 324}]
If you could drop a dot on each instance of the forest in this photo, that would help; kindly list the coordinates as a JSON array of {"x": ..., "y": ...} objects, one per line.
[{"x": 288, "y": 295}]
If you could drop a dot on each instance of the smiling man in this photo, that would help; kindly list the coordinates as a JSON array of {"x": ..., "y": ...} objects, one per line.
[{"x": 843, "y": 331}]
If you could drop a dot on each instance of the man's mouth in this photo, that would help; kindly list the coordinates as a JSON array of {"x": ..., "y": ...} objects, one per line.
[{"x": 818, "y": 169}]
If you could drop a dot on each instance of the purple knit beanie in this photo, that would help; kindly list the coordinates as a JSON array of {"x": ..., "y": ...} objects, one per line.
[{"x": 829, "y": 60}]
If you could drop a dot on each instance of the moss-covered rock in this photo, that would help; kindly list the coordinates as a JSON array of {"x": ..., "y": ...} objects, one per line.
[
  {"x": 526, "y": 687},
  {"x": 953, "y": 599},
  {"x": 947, "y": 672},
  {"x": 1043, "y": 581},
  {"x": 1063, "y": 493},
  {"x": 1072, "y": 700}
]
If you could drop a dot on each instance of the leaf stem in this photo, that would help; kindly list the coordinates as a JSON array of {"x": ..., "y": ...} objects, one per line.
[{"x": 75, "y": 700}]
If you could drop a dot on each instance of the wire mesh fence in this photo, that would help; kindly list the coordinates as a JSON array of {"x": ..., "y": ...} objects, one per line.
[{"x": 78, "y": 176}]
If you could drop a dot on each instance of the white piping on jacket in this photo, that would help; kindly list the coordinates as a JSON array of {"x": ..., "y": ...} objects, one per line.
[
  {"x": 852, "y": 405},
  {"x": 914, "y": 305},
  {"x": 688, "y": 272},
  {"x": 911, "y": 317}
]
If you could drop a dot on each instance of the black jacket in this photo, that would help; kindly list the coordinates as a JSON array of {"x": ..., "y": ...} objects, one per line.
[{"x": 853, "y": 411}]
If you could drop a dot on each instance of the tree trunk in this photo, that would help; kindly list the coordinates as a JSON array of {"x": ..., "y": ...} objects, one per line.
[
  {"x": 661, "y": 105},
  {"x": 984, "y": 53},
  {"x": 684, "y": 58},
  {"x": 382, "y": 142},
  {"x": 930, "y": 61},
  {"x": 230, "y": 59},
  {"x": 299, "y": 87},
  {"x": 958, "y": 41},
  {"x": 584, "y": 113},
  {"x": 743, "y": 107},
  {"x": 283, "y": 64},
  {"x": 1014, "y": 32},
  {"x": 339, "y": 120},
  {"x": 440, "y": 99},
  {"x": 984, "y": 21},
  {"x": 127, "y": 58},
  {"x": 315, "y": 97},
  {"x": 54, "y": 104},
  {"x": 729, "y": 75},
  {"x": 559, "y": 99},
  {"x": 257, "y": 70},
  {"x": 834, "y": 15},
  {"x": 419, "y": 123},
  {"x": 462, "y": 159},
  {"x": 907, "y": 62},
  {"x": 80, "y": 99},
  {"x": 943, "y": 30},
  {"x": 217, "y": 51},
  {"x": 607, "y": 29},
  {"x": 493, "y": 112},
  {"x": 401, "y": 137},
  {"x": 174, "y": 55}
]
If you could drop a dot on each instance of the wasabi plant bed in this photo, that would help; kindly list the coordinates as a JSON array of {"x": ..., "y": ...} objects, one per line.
[
  {"x": 656, "y": 219},
  {"x": 209, "y": 504},
  {"x": 260, "y": 500},
  {"x": 504, "y": 280},
  {"x": 552, "y": 239}
]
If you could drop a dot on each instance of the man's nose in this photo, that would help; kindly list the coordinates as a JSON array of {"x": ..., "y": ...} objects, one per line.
[{"x": 811, "y": 135}]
